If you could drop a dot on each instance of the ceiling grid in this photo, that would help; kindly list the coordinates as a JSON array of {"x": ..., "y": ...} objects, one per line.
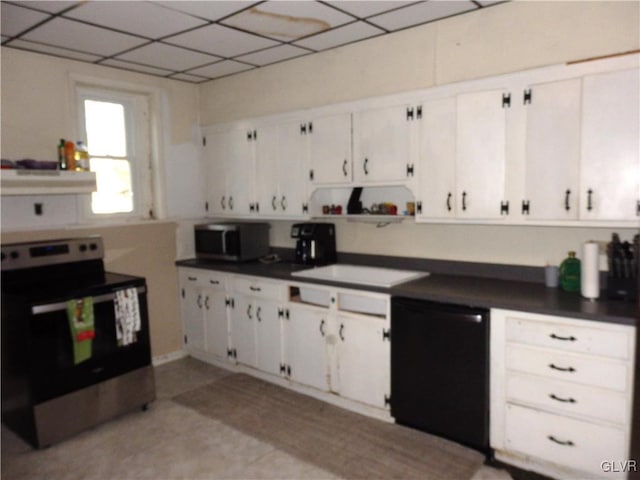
[{"x": 198, "y": 41}]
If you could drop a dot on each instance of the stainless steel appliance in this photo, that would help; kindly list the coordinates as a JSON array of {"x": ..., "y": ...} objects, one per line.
[
  {"x": 232, "y": 241},
  {"x": 316, "y": 243},
  {"x": 440, "y": 370},
  {"x": 49, "y": 393}
]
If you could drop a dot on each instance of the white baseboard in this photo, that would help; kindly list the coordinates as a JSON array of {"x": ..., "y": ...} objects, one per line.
[{"x": 168, "y": 357}]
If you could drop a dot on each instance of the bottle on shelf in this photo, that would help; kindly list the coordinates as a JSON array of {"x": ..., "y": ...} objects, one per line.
[
  {"x": 570, "y": 273},
  {"x": 82, "y": 157},
  {"x": 69, "y": 155},
  {"x": 62, "y": 161}
]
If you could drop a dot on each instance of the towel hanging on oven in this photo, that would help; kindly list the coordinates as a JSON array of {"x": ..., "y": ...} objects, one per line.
[
  {"x": 81, "y": 325},
  {"x": 127, "y": 313}
]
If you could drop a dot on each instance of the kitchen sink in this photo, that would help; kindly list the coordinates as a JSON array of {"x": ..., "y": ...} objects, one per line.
[{"x": 370, "y": 276}]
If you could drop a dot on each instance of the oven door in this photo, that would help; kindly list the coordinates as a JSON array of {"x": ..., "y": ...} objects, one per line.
[{"x": 52, "y": 369}]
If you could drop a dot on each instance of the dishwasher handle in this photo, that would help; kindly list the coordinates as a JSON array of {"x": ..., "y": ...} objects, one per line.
[{"x": 61, "y": 306}]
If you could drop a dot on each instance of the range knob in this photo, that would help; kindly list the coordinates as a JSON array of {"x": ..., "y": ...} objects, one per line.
[
  {"x": 15, "y": 254},
  {"x": 93, "y": 246},
  {"x": 83, "y": 247}
]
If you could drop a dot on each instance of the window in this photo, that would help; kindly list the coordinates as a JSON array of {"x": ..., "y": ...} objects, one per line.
[{"x": 115, "y": 127}]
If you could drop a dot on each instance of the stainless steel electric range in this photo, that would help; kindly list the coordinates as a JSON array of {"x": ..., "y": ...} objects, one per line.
[{"x": 75, "y": 340}]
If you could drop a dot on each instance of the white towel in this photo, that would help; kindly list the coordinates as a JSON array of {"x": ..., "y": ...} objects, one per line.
[{"x": 127, "y": 314}]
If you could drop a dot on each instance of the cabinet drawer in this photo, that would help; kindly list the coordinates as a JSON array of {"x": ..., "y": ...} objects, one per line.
[
  {"x": 594, "y": 371},
  {"x": 568, "y": 398},
  {"x": 600, "y": 339},
  {"x": 563, "y": 441},
  {"x": 202, "y": 278},
  {"x": 259, "y": 288}
]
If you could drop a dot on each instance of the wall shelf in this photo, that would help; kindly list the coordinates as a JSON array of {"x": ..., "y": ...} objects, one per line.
[{"x": 46, "y": 182}]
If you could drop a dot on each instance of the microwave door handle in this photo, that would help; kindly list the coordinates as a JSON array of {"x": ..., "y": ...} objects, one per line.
[
  {"x": 224, "y": 241},
  {"x": 59, "y": 306}
]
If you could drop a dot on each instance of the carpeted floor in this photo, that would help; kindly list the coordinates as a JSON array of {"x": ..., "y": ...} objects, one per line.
[{"x": 346, "y": 444}]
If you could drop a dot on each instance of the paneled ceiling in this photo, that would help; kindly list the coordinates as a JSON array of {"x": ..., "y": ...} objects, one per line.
[{"x": 197, "y": 41}]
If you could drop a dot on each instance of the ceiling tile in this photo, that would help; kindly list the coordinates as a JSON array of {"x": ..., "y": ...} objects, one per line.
[
  {"x": 112, "y": 62},
  {"x": 220, "y": 40},
  {"x": 340, "y": 36},
  {"x": 16, "y": 20},
  {"x": 189, "y": 78},
  {"x": 167, "y": 56},
  {"x": 75, "y": 35},
  {"x": 142, "y": 18},
  {"x": 366, "y": 9},
  {"x": 288, "y": 20},
  {"x": 48, "y": 5},
  {"x": 421, "y": 13},
  {"x": 60, "y": 52},
  {"x": 220, "y": 69},
  {"x": 208, "y": 10},
  {"x": 272, "y": 55}
]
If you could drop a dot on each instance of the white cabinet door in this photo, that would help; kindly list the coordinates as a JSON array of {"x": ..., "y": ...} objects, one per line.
[
  {"x": 292, "y": 165},
  {"x": 192, "y": 302},
  {"x": 217, "y": 329},
  {"x": 382, "y": 144},
  {"x": 229, "y": 158},
  {"x": 437, "y": 198},
  {"x": 480, "y": 154},
  {"x": 305, "y": 346},
  {"x": 330, "y": 149},
  {"x": 610, "y": 170},
  {"x": 362, "y": 348},
  {"x": 216, "y": 152},
  {"x": 240, "y": 172},
  {"x": 281, "y": 162},
  {"x": 553, "y": 150},
  {"x": 243, "y": 330},
  {"x": 268, "y": 336}
]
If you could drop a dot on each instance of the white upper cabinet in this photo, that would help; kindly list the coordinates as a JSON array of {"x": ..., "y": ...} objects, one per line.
[
  {"x": 330, "y": 161},
  {"x": 281, "y": 160},
  {"x": 481, "y": 154},
  {"x": 229, "y": 161},
  {"x": 437, "y": 179},
  {"x": 610, "y": 169},
  {"x": 463, "y": 157},
  {"x": 552, "y": 150},
  {"x": 383, "y": 146}
]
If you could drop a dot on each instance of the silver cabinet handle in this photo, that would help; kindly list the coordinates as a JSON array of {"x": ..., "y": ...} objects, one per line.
[
  {"x": 223, "y": 202},
  {"x": 249, "y": 312},
  {"x": 283, "y": 203},
  {"x": 258, "y": 314},
  {"x": 273, "y": 202},
  {"x": 322, "y": 328},
  {"x": 344, "y": 167},
  {"x": 230, "y": 202}
]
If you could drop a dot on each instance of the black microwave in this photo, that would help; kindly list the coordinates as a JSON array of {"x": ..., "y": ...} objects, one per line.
[{"x": 232, "y": 241}]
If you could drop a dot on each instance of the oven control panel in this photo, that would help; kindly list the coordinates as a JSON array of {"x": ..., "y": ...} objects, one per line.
[{"x": 51, "y": 252}]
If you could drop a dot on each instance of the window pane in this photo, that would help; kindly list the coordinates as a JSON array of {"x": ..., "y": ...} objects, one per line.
[
  {"x": 106, "y": 134},
  {"x": 115, "y": 194}
]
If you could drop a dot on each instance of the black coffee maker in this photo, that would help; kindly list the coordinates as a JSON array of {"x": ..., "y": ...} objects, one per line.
[{"x": 316, "y": 243}]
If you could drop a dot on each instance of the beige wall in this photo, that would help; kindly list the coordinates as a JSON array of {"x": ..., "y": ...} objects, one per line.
[
  {"x": 144, "y": 250},
  {"x": 503, "y": 38},
  {"x": 36, "y": 98}
]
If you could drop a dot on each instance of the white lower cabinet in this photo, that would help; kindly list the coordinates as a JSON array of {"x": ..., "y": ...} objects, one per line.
[
  {"x": 363, "y": 359},
  {"x": 306, "y": 357},
  {"x": 561, "y": 393},
  {"x": 204, "y": 313}
]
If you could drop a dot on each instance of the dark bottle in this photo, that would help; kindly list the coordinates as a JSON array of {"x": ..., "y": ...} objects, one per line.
[
  {"x": 62, "y": 159},
  {"x": 570, "y": 273}
]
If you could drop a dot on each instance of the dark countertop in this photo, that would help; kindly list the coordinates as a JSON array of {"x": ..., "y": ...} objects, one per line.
[{"x": 466, "y": 290}]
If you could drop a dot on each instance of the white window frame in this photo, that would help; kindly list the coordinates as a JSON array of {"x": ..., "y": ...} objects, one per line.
[{"x": 149, "y": 203}]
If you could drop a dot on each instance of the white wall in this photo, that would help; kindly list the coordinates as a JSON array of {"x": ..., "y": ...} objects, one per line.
[{"x": 503, "y": 38}]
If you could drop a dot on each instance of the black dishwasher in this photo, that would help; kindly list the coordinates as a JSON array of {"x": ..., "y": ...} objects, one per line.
[{"x": 440, "y": 370}]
